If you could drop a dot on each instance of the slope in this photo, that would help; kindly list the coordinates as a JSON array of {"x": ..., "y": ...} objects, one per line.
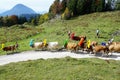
[{"x": 56, "y": 30}]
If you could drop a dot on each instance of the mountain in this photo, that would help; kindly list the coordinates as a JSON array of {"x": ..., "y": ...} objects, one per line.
[
  {"x": 18, "y": 9},
  {"x": 42, "y": 12}
]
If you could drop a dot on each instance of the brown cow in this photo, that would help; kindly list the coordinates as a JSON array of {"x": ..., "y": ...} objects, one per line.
[
  {"x": 94, "y": 43},
  {"x": 75, "y": 46},
  {"x": 114, "y": 47},
  {"x": 9, "y": 48},
  {"x": 114, "y": 43},
  {"x": 71, "y": 46},
  {"x": 73, "y": 37},
  {"x": 100, "y": 48},
  {"x": 90, "y": 48}
]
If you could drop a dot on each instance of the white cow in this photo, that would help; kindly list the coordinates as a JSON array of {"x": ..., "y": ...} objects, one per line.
[
  {"x": 49, "y": 45},
  {"x": 53, "y": 45},
  {"x": 38, "y": 45}
]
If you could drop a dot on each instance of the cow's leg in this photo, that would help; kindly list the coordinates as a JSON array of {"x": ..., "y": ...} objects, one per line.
[
  {"x": 107, "y": 53},
  {"x": 103, "y": 53},
  {"x": 94, "y": 53},
  {"x": 110, "y": 53},
  {"x": 91, "y": 53}
]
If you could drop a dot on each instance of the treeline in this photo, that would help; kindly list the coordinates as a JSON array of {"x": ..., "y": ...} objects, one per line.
[
  {"x": 69, "y": 8},
  {"x": 33, "y": 20},
  {"x": 11, "y": 20}
]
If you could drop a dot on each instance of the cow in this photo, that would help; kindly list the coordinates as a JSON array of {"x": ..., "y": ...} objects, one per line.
[
  {"x": 100, "y": 49},
  {"x": 47, "y": 46},
  {"x": 73, "y": 37},
  {"x": 94, "y": 43},
  {"x": 90, "y": 45},
  {"x": 114, "y": 47},
  {"x": 9, "y": 48},
  {"x": 52, "y": 45},
  {"x": 71, "y": 46},
  {"x": 39, "y": 45}
]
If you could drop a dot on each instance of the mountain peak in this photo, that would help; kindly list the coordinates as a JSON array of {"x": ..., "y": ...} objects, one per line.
[
  {"x": 19, "y": 9},
  {"x": 19, "y": 6}
]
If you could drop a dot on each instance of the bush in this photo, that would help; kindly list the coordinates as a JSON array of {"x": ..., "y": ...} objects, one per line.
[{"x": 44, "y": 18}]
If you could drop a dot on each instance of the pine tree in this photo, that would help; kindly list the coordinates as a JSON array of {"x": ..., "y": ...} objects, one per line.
[
  {"x": 80, "y": 7},
  {"x": 63, "y": 5},
  {"x": 72, "y": 6}
]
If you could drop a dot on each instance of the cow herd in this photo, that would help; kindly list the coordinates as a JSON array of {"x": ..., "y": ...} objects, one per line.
[
  {"x": 83, "y": 45},
  {"x": 89, "y": 47}
]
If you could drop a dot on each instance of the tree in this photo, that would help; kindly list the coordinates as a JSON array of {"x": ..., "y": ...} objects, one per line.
[
  {"x": 1, "y": 21},
  {"x": 5, "y": 21},
  {"x": 13, "y": 19},
  {"x": 55, "y": 7},
  {"x": 67, "y": 14},
  {"x": 87, "y": 6},
  {"x": 93, "y": 6},
  {"x": 107, "y": 5},
  {"x": 22, "y": 20},
  {"x": 41, "y": 20},
  {"x": 44, "y": 18},
  {"x": 63, "y": 5},
  {"x": 72, "y": 6},
  {"x": 100, "y": 4},
  {"x": 51, "y": 15},
  {"x": 80, "y": 7},
  {"x": 34, "y": 22},
  {"x": 118, "y": 6}
]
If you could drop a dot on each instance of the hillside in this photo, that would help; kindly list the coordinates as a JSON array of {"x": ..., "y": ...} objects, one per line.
[
  {"x": 56, "y": 30},
  {"x": 107, "y": 22}
]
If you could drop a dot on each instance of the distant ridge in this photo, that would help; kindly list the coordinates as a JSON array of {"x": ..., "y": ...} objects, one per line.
[{"x": 18, "y": 9}]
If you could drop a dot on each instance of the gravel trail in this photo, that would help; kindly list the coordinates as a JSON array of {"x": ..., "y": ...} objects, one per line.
[{"x": 34, "y": 55}]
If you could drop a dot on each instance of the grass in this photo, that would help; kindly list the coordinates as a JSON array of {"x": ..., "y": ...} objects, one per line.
[
  {"x": 62, "y": 69},
  {"x": 56, "y": 30},
  {"x": 65, "y": 68}
]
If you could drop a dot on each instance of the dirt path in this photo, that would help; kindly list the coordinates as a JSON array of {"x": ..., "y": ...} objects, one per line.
[{"x": 33, "y": 55}]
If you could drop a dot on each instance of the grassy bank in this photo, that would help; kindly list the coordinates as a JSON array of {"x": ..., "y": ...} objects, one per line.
[
  {"x": 62, "y": 69},
  {"x": 56, "y": 30}
]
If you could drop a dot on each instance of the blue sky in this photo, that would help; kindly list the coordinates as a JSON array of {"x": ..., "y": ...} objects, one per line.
[{"x": 36, "y": 5}]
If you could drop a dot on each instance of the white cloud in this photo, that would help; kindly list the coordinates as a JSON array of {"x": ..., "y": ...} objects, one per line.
[{"x": 37, "y": 5}]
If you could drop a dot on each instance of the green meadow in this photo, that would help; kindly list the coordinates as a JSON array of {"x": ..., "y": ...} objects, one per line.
[
  {"x": 62, "y": 69},
  {"x": 66, "y": 68}
]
